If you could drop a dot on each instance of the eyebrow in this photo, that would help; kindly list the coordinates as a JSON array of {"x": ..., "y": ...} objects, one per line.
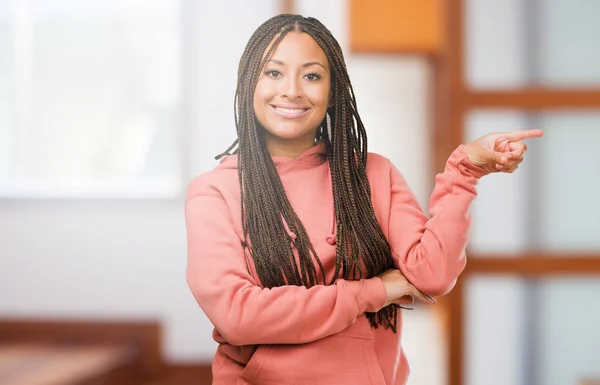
[{"x": 310, "y": 63}]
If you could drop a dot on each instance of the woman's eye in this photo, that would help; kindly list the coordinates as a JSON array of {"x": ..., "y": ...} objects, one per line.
[
  {"x": 313, "y": 77},
  {"x": 273, "y": 73}
]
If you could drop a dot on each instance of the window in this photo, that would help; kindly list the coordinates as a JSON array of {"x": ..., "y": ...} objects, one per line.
[
  {"x": 90, "y": 98},
  {"x": 517, "y": 65}
]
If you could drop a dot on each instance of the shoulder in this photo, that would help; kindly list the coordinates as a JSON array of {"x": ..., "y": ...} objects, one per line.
[
  {"x": 379, "y": 175},
  {"x": 377, "y": 163},
  {"x": 382, "y": 171},
  {"x": 217, "y": 182}
]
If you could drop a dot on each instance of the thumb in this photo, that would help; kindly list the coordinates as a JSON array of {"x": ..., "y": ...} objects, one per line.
[
  {"x": 480, "y": 155},
  {"x": 497, "y": 157}
]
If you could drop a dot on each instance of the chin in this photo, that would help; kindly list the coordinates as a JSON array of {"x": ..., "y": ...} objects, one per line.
[
  {"x": 288, "y": 137},
  {"x": 287, "y": 133}
]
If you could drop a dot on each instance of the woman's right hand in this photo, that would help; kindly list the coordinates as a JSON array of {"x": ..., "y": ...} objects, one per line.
[{"x": 400, "y": 291}]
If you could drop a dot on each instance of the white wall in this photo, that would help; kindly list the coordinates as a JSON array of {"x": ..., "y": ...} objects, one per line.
[{"x": 126, "y": 259}]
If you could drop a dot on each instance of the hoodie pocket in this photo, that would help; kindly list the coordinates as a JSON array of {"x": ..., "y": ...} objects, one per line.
[{"x": 345, "y": 358}]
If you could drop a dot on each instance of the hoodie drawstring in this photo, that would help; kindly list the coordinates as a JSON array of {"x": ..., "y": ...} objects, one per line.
[
  {"x": 331, "y": 237},
  {"x": 290, "y": 233}
]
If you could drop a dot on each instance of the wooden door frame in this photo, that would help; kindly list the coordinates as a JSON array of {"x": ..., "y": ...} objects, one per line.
[{"x": 449, "y": 133}]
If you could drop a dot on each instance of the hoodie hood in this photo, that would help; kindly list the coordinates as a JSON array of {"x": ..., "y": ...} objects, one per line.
[{"x": 309, "y": 158}]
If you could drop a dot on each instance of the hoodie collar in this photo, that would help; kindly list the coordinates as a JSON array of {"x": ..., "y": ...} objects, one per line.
[
  {"x": 314, "y": 155},
  {"x": 310, "y": 157}
]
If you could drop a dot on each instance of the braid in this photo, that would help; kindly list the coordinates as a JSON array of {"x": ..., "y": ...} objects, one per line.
[{"x": 362, "y": 250}]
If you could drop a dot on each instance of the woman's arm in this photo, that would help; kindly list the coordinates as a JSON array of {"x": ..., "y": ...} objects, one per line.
[
  {"x": 246, "y": 314},
  {"x": 430, "y": 252}
]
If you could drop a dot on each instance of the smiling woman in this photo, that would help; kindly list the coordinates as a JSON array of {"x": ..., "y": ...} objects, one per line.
[{"x": 302, "y": 245}]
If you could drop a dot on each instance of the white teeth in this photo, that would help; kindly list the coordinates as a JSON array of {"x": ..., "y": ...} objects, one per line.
[{"x": 290, "y": 110}]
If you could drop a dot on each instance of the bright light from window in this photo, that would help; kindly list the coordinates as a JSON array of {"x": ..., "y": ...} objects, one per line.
[{"x": 90, "y": 98}]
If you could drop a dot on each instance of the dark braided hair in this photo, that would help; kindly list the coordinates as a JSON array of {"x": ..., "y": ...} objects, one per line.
[{"x": 362, "y": 251}]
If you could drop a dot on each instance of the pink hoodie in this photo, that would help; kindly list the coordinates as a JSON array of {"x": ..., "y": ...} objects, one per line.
[{"x": 293, "y": 335}]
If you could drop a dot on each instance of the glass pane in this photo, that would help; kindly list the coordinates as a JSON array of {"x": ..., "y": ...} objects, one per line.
[
  {"x": 495, "y": 325},
  {"x": 515, "y": 43},
  {"x": 569, "y": 53},
  {"x": 568, "y": 332},
  {"x": 494, "y": 44},
  {"x": 106, "y": 89},
  {"x": 99, "y": 93},
  {"x": 532, "y": 332},
  {"x": 6, "y": 76},
  {"x": 569, "y": 182},
  {"x": 551, "y": 202}
]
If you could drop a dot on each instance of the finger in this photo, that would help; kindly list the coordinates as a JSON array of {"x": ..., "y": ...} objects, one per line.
[
  {"x": 498, "y": 157},
  {"x": 513, "y": 163},
  {"x": 515, "y": 136},
  {"x": 502, "y": 143},
  {"x": 517, "y": 149},
  {"x": 517, "y": 146},
  {"x": 485, "y": 155},
  {"x": 416, "y": 293},
  {"x": 509, "y": 165},
  {"x": 404, "y": 300},
  {"x": 511, "y": 169},
  {"x": 427, "y": 295}
]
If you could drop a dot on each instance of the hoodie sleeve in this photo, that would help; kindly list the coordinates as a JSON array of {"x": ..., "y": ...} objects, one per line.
[
  {"x": 245, "y": 313},
  {"x": 430, "y": 252}
]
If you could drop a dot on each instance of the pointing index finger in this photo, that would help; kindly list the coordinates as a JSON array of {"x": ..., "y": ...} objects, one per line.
[{"x": 515, "y": 136}]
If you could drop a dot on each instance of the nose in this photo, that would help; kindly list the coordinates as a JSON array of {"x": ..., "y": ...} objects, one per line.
[{"x": 291, "y": 88}]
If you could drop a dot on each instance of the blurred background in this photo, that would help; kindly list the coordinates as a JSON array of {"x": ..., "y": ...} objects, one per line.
[{"x": 108, "y": 108}]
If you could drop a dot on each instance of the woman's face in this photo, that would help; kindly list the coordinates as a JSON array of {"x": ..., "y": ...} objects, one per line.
[{"x": 293, "y": 94}]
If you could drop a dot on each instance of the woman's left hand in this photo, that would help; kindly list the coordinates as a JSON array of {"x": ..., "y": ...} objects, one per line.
[{"x": 500, "y": 151}]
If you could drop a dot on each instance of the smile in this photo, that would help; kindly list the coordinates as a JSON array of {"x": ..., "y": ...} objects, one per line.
[{"x": 289, "y": 113}]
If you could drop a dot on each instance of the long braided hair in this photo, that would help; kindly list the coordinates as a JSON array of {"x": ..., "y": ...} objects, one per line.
[{"x": 362, "y": 251}]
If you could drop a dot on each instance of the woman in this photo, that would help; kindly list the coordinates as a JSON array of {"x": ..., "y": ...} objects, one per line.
[{"x": 302, "y": 245}]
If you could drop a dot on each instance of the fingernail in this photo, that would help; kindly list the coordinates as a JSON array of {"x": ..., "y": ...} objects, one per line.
[{"x": 430, "y": 299}]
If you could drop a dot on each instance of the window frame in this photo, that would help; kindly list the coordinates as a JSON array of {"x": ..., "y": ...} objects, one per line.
[{"x": 455, "y": 101}]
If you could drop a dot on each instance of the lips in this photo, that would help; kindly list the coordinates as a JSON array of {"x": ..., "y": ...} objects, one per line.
[{"x": 289, "y": 112}]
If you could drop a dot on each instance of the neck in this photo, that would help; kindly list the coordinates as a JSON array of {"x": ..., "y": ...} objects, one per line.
[{"x": 288, "y": 148}]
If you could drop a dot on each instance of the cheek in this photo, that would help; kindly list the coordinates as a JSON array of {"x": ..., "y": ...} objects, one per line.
[
  {"x": 262, "y": 94},
  {"x": 319, "y": 98},
  {"x": 259, "y": 107},
  {"x": 256, "y": 104},
  {"x": 319, "y": 94}
]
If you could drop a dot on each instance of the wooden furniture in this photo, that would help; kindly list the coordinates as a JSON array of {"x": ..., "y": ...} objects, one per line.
[
  {"x": 67, "y": 352},
  {"x": 27, "y": 363}
]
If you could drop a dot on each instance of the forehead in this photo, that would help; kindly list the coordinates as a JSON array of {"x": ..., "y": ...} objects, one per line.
[{"x": 299, "y": 48}]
